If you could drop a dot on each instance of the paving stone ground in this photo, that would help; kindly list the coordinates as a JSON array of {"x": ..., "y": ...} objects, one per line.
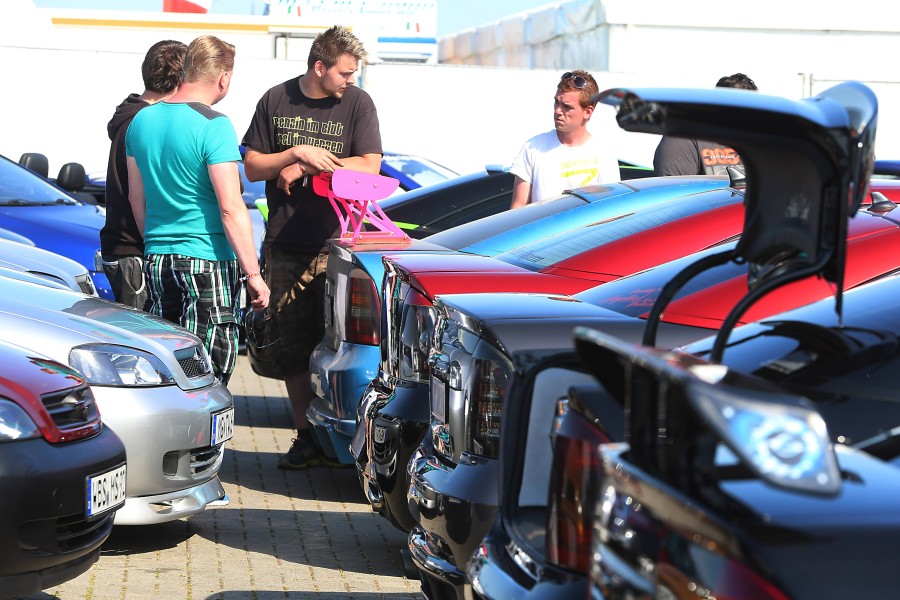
[{"x": 284, "y": 534}]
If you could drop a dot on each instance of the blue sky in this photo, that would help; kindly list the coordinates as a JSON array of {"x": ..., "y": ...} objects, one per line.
[{"x": 453, "y": 15}]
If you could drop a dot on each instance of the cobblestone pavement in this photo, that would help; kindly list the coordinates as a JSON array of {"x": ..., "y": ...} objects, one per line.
[{"x": 284, "y": 534}]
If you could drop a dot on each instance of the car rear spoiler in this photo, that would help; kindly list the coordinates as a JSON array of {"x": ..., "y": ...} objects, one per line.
[
  {"x": 680, "y": 409},
  {"x": 808, "y": 163}
]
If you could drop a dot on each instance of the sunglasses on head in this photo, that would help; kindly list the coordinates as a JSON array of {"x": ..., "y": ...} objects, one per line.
[{"x": 577, "y": 80}]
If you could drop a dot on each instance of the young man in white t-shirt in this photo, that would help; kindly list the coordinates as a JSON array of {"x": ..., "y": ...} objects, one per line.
[{"x": 569, "y": 156}]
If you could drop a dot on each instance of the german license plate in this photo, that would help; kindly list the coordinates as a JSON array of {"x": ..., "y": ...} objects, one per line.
[
  {"x": 380, "y": 434},
  {"x": 222, "y": 428},
  {"x": 105, "y": 491}
]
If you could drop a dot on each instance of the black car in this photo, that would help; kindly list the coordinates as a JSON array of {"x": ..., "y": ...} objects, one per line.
[
  {"x": 538, "y": 544},
  {"x": 63, "y": 474},
  {"x": 760, "y": 462}
]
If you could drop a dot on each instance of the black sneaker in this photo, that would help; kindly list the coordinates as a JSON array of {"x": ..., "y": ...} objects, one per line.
[
  {"x": 304, "y": 454},
  {"x": 300, "y": 456}
]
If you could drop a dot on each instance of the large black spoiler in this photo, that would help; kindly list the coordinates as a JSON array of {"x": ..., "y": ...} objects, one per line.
[{"x": 808, "y": 163}]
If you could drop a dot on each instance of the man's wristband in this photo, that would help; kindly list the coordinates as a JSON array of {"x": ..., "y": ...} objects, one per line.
[{"x": 248, "y": 277}]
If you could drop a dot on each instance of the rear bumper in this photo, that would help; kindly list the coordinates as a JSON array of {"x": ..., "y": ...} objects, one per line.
[
  {"x": 395, "y": 422},
  {"x": 494, "y": 573},
  {"x": 455, "y": 507},
  {"x": 339, "y": 378}
]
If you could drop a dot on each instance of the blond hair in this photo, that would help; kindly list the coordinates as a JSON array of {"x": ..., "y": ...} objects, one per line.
[{"x": 206, "y": 58}]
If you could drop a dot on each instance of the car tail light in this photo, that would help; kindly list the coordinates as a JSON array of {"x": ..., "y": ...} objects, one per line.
[
  {"x": 416, "y": 337},
  {"x": 574, "y": 482},
  {"x": 363, "y": 310},
  {"x": 488, "y": 391}
]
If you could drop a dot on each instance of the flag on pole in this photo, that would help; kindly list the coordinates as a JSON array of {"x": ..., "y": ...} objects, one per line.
[{"x": 187, "y": 6}]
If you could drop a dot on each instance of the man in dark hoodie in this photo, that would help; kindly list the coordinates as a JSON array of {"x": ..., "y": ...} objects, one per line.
[{"x": 121, "y": 244}]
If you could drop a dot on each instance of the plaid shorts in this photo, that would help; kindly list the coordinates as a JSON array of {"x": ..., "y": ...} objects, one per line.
[
  {"x": 202, "y": 296},
  {"x": 296, "y": 281}
]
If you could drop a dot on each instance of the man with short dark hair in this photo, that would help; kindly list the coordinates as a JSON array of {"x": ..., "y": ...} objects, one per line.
[
  {"x": 185, "y": 192},
  {"x": 568, "y": 156},
  {"x": 121, "y": 244},
  {"x": 685, "y": 156},
  {"x": 319, "y": 121}
]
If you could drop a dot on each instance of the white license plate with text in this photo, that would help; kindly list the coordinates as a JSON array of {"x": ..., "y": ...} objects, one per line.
[
  {"x": 222, "y": 428},
  {"x": 105, "y": 491}
]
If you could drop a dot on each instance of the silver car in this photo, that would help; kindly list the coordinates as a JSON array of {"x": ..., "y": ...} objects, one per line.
[
  {"x": 153, "y": 383},
  {"x": 54, "y": 268}
]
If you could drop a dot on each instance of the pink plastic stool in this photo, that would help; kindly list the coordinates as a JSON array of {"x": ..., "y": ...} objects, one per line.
[{"x": 354, "y": 196}]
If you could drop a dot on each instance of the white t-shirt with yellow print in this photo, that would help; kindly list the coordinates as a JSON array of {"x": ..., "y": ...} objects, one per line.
[{"x": 552, "y": 167}]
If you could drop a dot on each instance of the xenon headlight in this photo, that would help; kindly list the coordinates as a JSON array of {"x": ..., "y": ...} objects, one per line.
[{"x": 107, "y": 364}]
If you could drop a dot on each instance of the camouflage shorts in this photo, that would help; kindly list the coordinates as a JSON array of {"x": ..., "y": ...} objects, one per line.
[{"x": 296, "y": 281}]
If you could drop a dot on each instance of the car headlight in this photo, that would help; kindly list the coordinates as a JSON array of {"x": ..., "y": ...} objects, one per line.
[
  {"x": 15, "y": 424},
  {"x": 107, "y": 364}
]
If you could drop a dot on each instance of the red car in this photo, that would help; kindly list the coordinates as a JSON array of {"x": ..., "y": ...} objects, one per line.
[{"x": 63, "y": 474}]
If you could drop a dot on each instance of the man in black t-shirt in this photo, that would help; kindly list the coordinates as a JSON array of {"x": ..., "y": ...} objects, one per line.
[
  {"x": 317, "y": 122},
  {"x": 684, "y": 156}
]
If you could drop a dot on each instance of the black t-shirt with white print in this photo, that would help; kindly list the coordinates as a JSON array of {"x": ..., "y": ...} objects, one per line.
[{"x": 284, "y": 117}]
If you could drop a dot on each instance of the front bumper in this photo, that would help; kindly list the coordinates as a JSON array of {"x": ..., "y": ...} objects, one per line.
[
  {"x": 455, "y": 507},
  {"x": 146, "y": 510},
  {"x": 339, "y": 378},
  {"x": 166, "y": 432},
  {"x": 45, "y": 536},
  {"x": 395, "y": 422}
]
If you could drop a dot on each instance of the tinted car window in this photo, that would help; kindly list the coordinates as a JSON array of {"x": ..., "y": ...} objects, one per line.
[{"x": 422, "y": 171}]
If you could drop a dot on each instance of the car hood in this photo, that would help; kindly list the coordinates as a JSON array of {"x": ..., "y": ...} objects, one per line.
[
  {"x": 38, "y": 261},
  {"x": 71, "y": 230},
  {"x": 54, "y": 321}
]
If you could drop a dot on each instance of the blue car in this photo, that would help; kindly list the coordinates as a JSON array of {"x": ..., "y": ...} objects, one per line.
[
  {"x": 53, "y": 220},
  {"x": 345, "y": 363}
]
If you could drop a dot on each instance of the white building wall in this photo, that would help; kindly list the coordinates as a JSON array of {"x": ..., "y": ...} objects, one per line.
[{"x": 62, "y": 84}]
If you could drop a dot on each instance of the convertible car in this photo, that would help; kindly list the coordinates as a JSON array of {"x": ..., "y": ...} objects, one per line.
[{"x": 52, "y": 219}]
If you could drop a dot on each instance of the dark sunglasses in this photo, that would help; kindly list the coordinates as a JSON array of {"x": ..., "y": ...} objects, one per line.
[{"x": 577, "y": 80}]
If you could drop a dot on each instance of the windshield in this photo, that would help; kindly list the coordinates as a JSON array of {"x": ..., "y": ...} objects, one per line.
[{"x": 21, "y": 187}]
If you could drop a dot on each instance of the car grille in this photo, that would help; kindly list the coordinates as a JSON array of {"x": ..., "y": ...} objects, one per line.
[
  {"x": 204, "y": 459},
  {"x": 192, "y": 362},
  {"x": 73, "y": 408},
  {"x": 201, "y": 460},
  {"x": 64, "y": 534}
]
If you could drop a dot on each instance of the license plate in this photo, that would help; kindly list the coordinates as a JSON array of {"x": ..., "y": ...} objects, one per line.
[
  {"x": 105, "y": 491},
  {"x": 439, "y": 400},
  {"x": 222, "y": 428},
  {"x": 380, "y": 434}
]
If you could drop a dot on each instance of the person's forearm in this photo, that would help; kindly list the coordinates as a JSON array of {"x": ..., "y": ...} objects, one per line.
[
  {"x": 265, "y": 167},
  {"x": 370, "y": 163}
]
